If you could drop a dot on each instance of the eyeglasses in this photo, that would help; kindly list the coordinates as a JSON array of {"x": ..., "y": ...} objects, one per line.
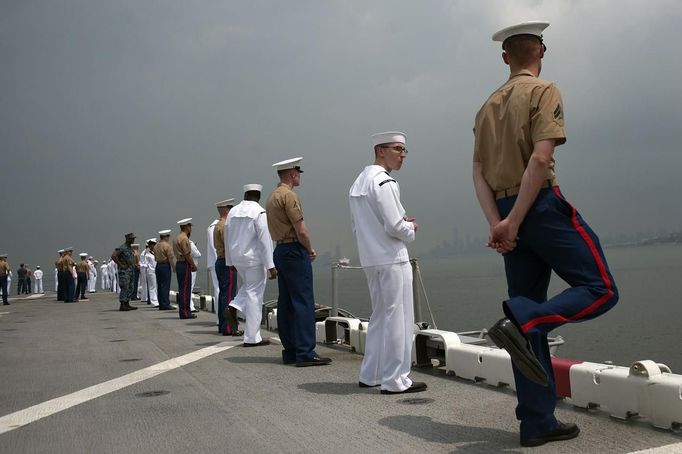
[{"x": 396, "y": 148}]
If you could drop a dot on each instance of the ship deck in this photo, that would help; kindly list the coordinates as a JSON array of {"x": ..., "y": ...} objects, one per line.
[{"x": 84, "y": 378}]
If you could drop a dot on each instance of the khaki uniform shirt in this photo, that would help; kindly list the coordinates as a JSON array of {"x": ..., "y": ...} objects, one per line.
[
  {"x": 163, "y": 252},
  {"x": 219, "y": 238},
  {"x": 67, "y": 263},
  {"x": 82, "y": 266},
  {"x": 283, "y": 211},
  {"x": 181, "y": 247},
  {"x": 523, "y": 111}
]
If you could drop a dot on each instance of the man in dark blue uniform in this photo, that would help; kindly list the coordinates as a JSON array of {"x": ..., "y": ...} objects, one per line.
[{"x": 536, "y": 229}]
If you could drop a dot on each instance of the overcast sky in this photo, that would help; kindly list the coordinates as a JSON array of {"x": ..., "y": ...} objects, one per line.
[{"x": 128, "y": 115}]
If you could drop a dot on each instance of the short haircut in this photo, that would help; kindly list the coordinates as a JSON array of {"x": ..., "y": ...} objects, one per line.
[{"x": 523, "y": 49}]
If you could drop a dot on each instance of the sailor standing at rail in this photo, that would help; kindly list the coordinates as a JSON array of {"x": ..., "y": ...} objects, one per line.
[
  {"x": 196, "y": 255},
  {"x": 38, "y": 275},
  {"x": 382, "y": 231},
  {"x": 4, "y": 272},
  {"x": 144, "y": 292},
  {"x": 113, "y": 276},
  {"x": 248, "y": 248},
  {"x": 92, "y": 275},
  {"x": 104, "y": 272},
  {"x": 165, "y": 266},
  {"x": 293, "y": 256},
  {"x": 211, "y": 258},
  {"x": 150, "y": 267},
  {"x": 535, "y": 228},
  {"x": 227, "y": 276},
  {"x": 184, "y": 265}
]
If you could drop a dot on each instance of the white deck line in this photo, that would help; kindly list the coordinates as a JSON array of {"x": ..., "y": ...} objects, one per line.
[
  {"x": 667, "y": 449},
  {"x": 31, "y": 414}
]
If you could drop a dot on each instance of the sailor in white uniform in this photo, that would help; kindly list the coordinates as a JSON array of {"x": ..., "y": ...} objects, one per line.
[
  {"x": 113, "y": 277},
  {"x": 196, "y": 255},
  {"x": 144, "y": 291},
  {"x": 150, "y": 268},
  {"x": 248, "y": 247},
  {"x": 104, "y": 272},
  {"x": 92, "y": 275},
  {"x": 211, "y": 257},
  {"x": 382, "y": 231},
  {"x": 38, "y": 278}
]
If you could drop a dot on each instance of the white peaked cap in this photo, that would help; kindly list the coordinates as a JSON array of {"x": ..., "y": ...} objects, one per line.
[
  {"x": 225, "y": 203},
  {"x": 534, "y": 28},
  {"x": 60, "y": 251},
  {"x": 83, "y": 254},
  {"x": 185, "y": 221},
  {"x": 164, "y": 232},
  {"x": 289, "y": 163},
  {"x": 253, "y": 187},
  {"x": 4, "y": 256},
  {"x": 388, "y": 137},
  {"x": 70, "y": 248},
  {"x": 135, "y": 245}
]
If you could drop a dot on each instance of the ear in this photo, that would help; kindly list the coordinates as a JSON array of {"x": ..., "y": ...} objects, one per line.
[{"x": 505, "y": 58}]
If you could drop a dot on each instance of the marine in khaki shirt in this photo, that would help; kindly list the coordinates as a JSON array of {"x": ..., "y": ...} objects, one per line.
[
  {"x": 219, "y": 238},
  {"x": 284, "y": 210},
  {"x": 183, "y": 250},
  {"x": 82, "y": 266},
  {"x": 163, "y": 252}
]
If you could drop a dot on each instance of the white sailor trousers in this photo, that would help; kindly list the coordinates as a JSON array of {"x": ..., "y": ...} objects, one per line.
[
  {"x": 249, "y": 300},
  {"x": 151, "y": 286},
  {"x": 38, "y": 287},
  {"x": 388, "y": 347}
]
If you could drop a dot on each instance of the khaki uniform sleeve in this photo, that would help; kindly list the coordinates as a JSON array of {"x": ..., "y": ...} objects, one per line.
[
  {"x": 292, "y": 208},
  {"x": 547, "y": 115},
  {"x": 184, "y": 248}
]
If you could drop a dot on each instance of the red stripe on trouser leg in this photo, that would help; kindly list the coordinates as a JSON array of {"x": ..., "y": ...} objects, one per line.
[
  {"x": 185, "y": 285},
  {"x": 602, "y": 273}
]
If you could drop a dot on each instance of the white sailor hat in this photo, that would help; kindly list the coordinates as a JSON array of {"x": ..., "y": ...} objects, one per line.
[
  {"x": 152, "y": 240},
  {"x": 388, "y": 137},
  {"x": 253, "y": 187},
  {"x": 533, "y": 28},
  {"x": 293, "y": 163},
  {"x": 38, "y": 267},
  {"x": 89, "y": 257},
  {"x": 83, "y": 254},
  {"x": 185, "y": 221},
  {"x": 164, "y": 232},
  {"x": 225, "y": 203}
]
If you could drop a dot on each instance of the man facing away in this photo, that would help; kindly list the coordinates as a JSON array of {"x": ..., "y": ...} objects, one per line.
[
  {"x": 38, "y": 275},
  {"x": 382, "y": 231},
  {"x": 124, "y": 259},
  {"x": 535, "y": 228},
  {"x": 248, "y": 248},
  {"x": 165, "y": 265},
  {"x": 150, "y": 273},
  {"x": 81, "y": 276},
  {"x": 293, "y": 257},
  {"x": 4, "y": 272},
  {"x": 184, "y": 266},
  {"x": 227, "y": 276}
]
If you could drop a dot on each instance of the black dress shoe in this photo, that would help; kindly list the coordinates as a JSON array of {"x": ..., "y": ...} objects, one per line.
[
  {"x": 262, "y": 342},
  {"x": 365, "y": 385},
  {"x": 189, "y": 316},
  {"x": 316, "y": 361},
  {"x": 507, "y": 336},
  {"x": 417, "y": 386},
  {"x": 237, "y": 333},
  {"x": 562, "y": 431},
  {"x": 165, "y": 308}
]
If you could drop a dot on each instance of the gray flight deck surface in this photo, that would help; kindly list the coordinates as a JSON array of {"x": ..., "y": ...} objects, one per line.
[{"x": 243, "y": 400}]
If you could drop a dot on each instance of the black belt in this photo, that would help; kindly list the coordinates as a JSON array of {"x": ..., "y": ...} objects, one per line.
[
  {"x": 287, "y": 241},
  {"x": 515, "y": 190}
]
